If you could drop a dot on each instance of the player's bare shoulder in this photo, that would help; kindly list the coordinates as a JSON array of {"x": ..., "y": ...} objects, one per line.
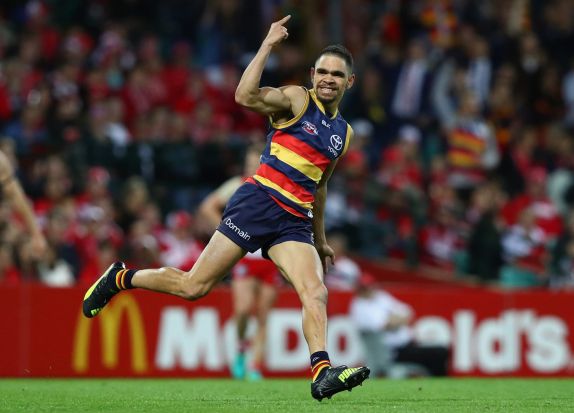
[{"x": 297, "y": 96}]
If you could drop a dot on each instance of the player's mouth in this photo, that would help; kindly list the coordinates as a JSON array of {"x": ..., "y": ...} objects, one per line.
[{"x": 327, "y": 90}]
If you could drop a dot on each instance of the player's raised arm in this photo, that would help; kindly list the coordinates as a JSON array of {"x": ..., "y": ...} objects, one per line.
[{"x": 266, "y": 100}]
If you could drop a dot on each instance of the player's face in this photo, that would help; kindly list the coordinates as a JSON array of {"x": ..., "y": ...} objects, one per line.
[{"x": 331, "y": 78}]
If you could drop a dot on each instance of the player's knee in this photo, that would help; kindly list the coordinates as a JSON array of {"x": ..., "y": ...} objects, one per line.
[
  {"x": 313, "y": 293},
  {"x": 195, "y": 290}
]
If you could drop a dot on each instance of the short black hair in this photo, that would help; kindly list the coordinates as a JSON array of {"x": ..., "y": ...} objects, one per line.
[{"x": 341, "y": 51}]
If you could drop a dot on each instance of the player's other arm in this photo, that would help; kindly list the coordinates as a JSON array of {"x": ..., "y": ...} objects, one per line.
[
  {"x": 14, "y": 194},
  {"x": 326, "y": 253},
  {"x": 268, "y": 101}
]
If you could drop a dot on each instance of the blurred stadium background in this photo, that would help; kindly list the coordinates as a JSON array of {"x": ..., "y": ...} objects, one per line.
[{"x": 456, "y": 196}]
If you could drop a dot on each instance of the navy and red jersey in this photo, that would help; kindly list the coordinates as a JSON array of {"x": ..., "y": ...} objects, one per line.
[{"x": 297, "y": 154}]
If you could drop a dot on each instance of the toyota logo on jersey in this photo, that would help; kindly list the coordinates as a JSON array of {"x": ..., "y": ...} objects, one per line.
[{"x": 337, "y": 142}]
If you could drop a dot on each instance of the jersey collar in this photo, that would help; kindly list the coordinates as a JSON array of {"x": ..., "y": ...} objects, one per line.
[{"x": 320, "y": 105}]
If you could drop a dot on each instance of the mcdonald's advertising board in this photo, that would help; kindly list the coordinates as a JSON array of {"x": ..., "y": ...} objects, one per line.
[{"x": 142, "y": 334}]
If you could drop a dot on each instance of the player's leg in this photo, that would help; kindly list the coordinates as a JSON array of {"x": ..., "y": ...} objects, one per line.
[
  {"x": 213, "y": 264},
  {"x": 299, "y": 262},
  {"x": 243, "y": 290},
  {"x": 267, "y": 294},
  {"x": 215, "y": 261}
]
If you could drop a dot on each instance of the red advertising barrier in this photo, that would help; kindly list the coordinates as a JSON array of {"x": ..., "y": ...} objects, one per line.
[{"x": 153, "y": 335}]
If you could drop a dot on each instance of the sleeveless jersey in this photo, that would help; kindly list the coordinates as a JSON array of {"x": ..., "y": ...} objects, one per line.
[{"x": 297, "y": 154}]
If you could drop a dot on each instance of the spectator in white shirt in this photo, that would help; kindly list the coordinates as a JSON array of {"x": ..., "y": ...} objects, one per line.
[{"x": 384, "y": 326}]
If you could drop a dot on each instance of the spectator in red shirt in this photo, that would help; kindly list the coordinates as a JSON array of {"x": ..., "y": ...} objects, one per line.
[
  {"x": 401, "y": 165},
  {"x": 397, "y": 228},
  {"x": 441, "y": 239},
  {"x": 196, "y": 90},
  {"x": 178, "y": 246},
  {"x": 37, "y": 16},
  {"x": 96, "y": 189},
  {"x": 177, "y": 72},
  {"x": 94, "y": 226},
  {"x": 545, "y": 212}
]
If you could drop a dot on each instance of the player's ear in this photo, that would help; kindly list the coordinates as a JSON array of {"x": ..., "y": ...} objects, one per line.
[
  {"x": 350, "y": 81},
  {"x": 312, "y": 73}
]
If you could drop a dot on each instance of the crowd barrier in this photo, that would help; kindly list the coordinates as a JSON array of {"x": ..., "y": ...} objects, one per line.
[{"x": 143, "y": 334}]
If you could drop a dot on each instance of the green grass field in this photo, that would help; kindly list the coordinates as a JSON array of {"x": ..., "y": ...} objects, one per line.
[{"x": 214, "y": 396}]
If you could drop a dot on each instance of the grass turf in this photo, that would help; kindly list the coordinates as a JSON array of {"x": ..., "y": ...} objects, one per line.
[{"x": 214, "y": 396}]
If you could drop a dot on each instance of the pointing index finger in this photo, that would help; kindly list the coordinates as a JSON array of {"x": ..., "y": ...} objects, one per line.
[{"x": 284, "y": 19}]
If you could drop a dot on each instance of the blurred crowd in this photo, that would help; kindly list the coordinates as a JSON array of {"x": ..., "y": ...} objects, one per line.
[{"x": 120, "y": 118}]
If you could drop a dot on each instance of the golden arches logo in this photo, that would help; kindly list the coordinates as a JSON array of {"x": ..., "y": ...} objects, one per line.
[{"x": 110, "y": 321}]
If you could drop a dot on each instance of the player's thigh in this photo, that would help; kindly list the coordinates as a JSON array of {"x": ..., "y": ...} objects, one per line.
[
  {"x": 299, "y": 263},
  {"x": 216, "y": 260},
  {"x": 243, "y": 290}
]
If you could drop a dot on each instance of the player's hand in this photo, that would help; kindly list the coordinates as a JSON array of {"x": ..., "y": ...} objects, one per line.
[
  {"x": 327, "y": 256},
  {"x": 38, "y": 245},
  {"x": 277, "y": 32}
]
